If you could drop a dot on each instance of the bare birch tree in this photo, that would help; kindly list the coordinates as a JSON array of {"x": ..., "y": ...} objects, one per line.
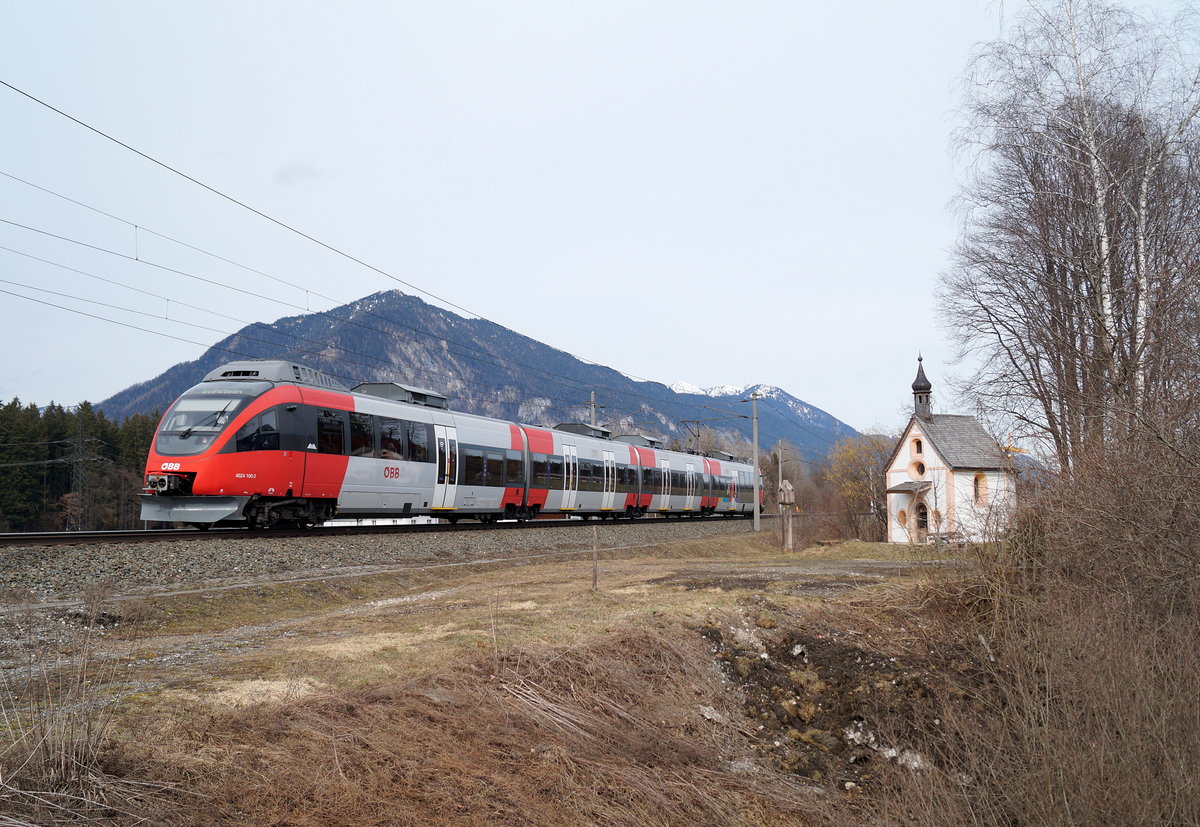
[{"x": 1075, "y": 283}]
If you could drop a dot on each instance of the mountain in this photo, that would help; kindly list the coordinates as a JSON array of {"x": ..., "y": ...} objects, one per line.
[{"x": 487, "y": 369}]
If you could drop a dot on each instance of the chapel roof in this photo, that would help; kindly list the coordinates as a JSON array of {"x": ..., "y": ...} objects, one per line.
[
  {"x": 962, "y": 441},
  {"x": 910, "y": 487}
]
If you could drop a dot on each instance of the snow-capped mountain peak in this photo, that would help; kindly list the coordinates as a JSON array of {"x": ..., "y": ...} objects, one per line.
[{"x": 724, "y": 390}]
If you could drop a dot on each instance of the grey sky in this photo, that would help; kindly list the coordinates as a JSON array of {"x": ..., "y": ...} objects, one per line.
[{"x": 692, "y": 191}]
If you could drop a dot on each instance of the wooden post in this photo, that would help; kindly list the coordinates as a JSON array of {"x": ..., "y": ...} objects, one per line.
[{"x": 595, "y": 558}]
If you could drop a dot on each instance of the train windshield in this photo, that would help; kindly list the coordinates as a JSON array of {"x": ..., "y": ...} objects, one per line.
[{"x": 199, "y": 416}]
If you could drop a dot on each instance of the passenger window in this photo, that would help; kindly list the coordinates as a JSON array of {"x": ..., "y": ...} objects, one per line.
[
  {"x": 331, "y": 433},
  {"x": 540, "y": 472},
  {"x": 515, "y": 469},
  {"x": 418, "y": 442},
  {"x": 260, "y": 434},
  {"x": 391, "y": 438},
  {"x": 473, "y": 467},
  {"x": 493, "y": 468},
  {"x": 362, "y": 435}
]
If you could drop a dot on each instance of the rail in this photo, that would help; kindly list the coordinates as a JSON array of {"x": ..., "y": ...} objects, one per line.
[{"x": 153, "y": 535}]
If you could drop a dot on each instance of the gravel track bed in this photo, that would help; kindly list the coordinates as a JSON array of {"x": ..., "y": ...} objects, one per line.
[{"x": 63, "y": 572}]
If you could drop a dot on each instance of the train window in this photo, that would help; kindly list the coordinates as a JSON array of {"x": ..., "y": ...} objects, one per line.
[
  {"x": 331, "y": 433},
  {"x": 419, "y": 439},
  {"x": 260, "y": 434},
  {"x": 441, "y": 461},
  {"x": 514, "y": 473},
  {"x": 554, "y": 471},
  {"x": 473, "y": 466},
  {"x": 591, "y": 475},
  {"x": 539, "y": 473},
  {"x": 362, "y": 435},
  {"x": 391, "y": 442},
  {"x": 493, "y": 468},
  {"x": 194, "y": 422}
]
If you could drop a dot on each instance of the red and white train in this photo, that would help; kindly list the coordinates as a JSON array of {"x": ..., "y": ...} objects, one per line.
[{"x": 263, "y": 443}]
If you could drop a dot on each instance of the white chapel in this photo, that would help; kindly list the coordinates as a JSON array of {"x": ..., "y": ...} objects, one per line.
[{"x": 947, "y": 477}]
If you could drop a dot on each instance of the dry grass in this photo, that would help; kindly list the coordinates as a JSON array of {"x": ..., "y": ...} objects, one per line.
[
  {"x": 1082, "y": 701},
  {"x": 213, "y": 611},
  {"x": 57, "y": 715},
  {"x": 860, "y": 550},
  {"x": 606, "y": 732},
  {"x": 478, "y": 696}
]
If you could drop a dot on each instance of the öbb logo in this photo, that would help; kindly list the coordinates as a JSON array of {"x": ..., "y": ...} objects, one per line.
[
  {"x": 170, "y": 466},
  {"x": 391, "y": 472}
]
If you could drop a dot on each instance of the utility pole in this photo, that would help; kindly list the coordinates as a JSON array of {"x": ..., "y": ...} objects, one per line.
[
  {"x": 592, "y": 404},
  {"x": 757, "y": 520},
  {"x": 779, "y": 486},
  {"x": 80, "y": 521},
  {"x": 787, "y": 502}
]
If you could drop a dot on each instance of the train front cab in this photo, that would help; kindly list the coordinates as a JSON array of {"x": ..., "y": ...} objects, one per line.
[{"x": 224, "y": 446}]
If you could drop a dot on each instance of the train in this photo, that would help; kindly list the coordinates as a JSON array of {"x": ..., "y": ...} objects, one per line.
[{"x": 267, "y": 443}]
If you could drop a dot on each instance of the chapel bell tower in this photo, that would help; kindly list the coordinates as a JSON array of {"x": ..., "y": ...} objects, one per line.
[{"x": 921, "y": 388}]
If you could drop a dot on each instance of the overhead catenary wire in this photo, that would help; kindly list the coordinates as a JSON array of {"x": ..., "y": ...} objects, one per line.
[
  {"x": 231, "y": 199},
  {"x": 325, "y": 346},
  {"x": 251, "y": 209},
  {"x": 348, "y": 378},
  {"x": 142, "y": 228},
  {"x": 243, "y": 354},
  {"x": 486, "y": 357},
  {"x": 284, "y": 225}
]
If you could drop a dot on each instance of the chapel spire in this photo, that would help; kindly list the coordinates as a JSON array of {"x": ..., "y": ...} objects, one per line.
[{"x": 921, "y": 388}]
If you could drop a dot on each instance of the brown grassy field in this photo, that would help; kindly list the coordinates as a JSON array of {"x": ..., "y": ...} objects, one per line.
[{"x": 713, "y": 681}]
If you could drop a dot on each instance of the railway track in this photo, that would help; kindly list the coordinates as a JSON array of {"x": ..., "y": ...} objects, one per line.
[
  {"x": 38, "y": 575},
  {"x": 155, "y": 535}
]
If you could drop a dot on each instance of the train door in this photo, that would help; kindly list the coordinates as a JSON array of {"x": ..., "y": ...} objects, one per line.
[
  {"x": 326, "y": 454},
  {"x": 689, "y": 502},
  {"x": 570, "y": 477},
  {"x": 446, "y": 483},
  {"x": 665, "y": 490},
  {"x": 610, "y": 481}
]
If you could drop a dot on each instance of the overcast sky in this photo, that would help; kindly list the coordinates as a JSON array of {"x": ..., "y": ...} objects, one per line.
[{"x": 714, "y": 193}]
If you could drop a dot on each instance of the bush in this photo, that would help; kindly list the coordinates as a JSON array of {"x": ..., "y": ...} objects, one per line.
[{"x": 1084, "y": 707}]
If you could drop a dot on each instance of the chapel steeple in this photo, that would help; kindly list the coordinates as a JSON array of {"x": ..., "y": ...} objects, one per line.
[{"x": 922, "y": 388}]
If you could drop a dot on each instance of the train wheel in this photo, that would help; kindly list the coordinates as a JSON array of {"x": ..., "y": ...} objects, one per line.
[{"x": 452, "y": 520}]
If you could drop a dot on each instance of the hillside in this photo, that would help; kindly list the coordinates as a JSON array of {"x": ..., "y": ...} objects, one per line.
[{"x": 487, "y": 369}]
